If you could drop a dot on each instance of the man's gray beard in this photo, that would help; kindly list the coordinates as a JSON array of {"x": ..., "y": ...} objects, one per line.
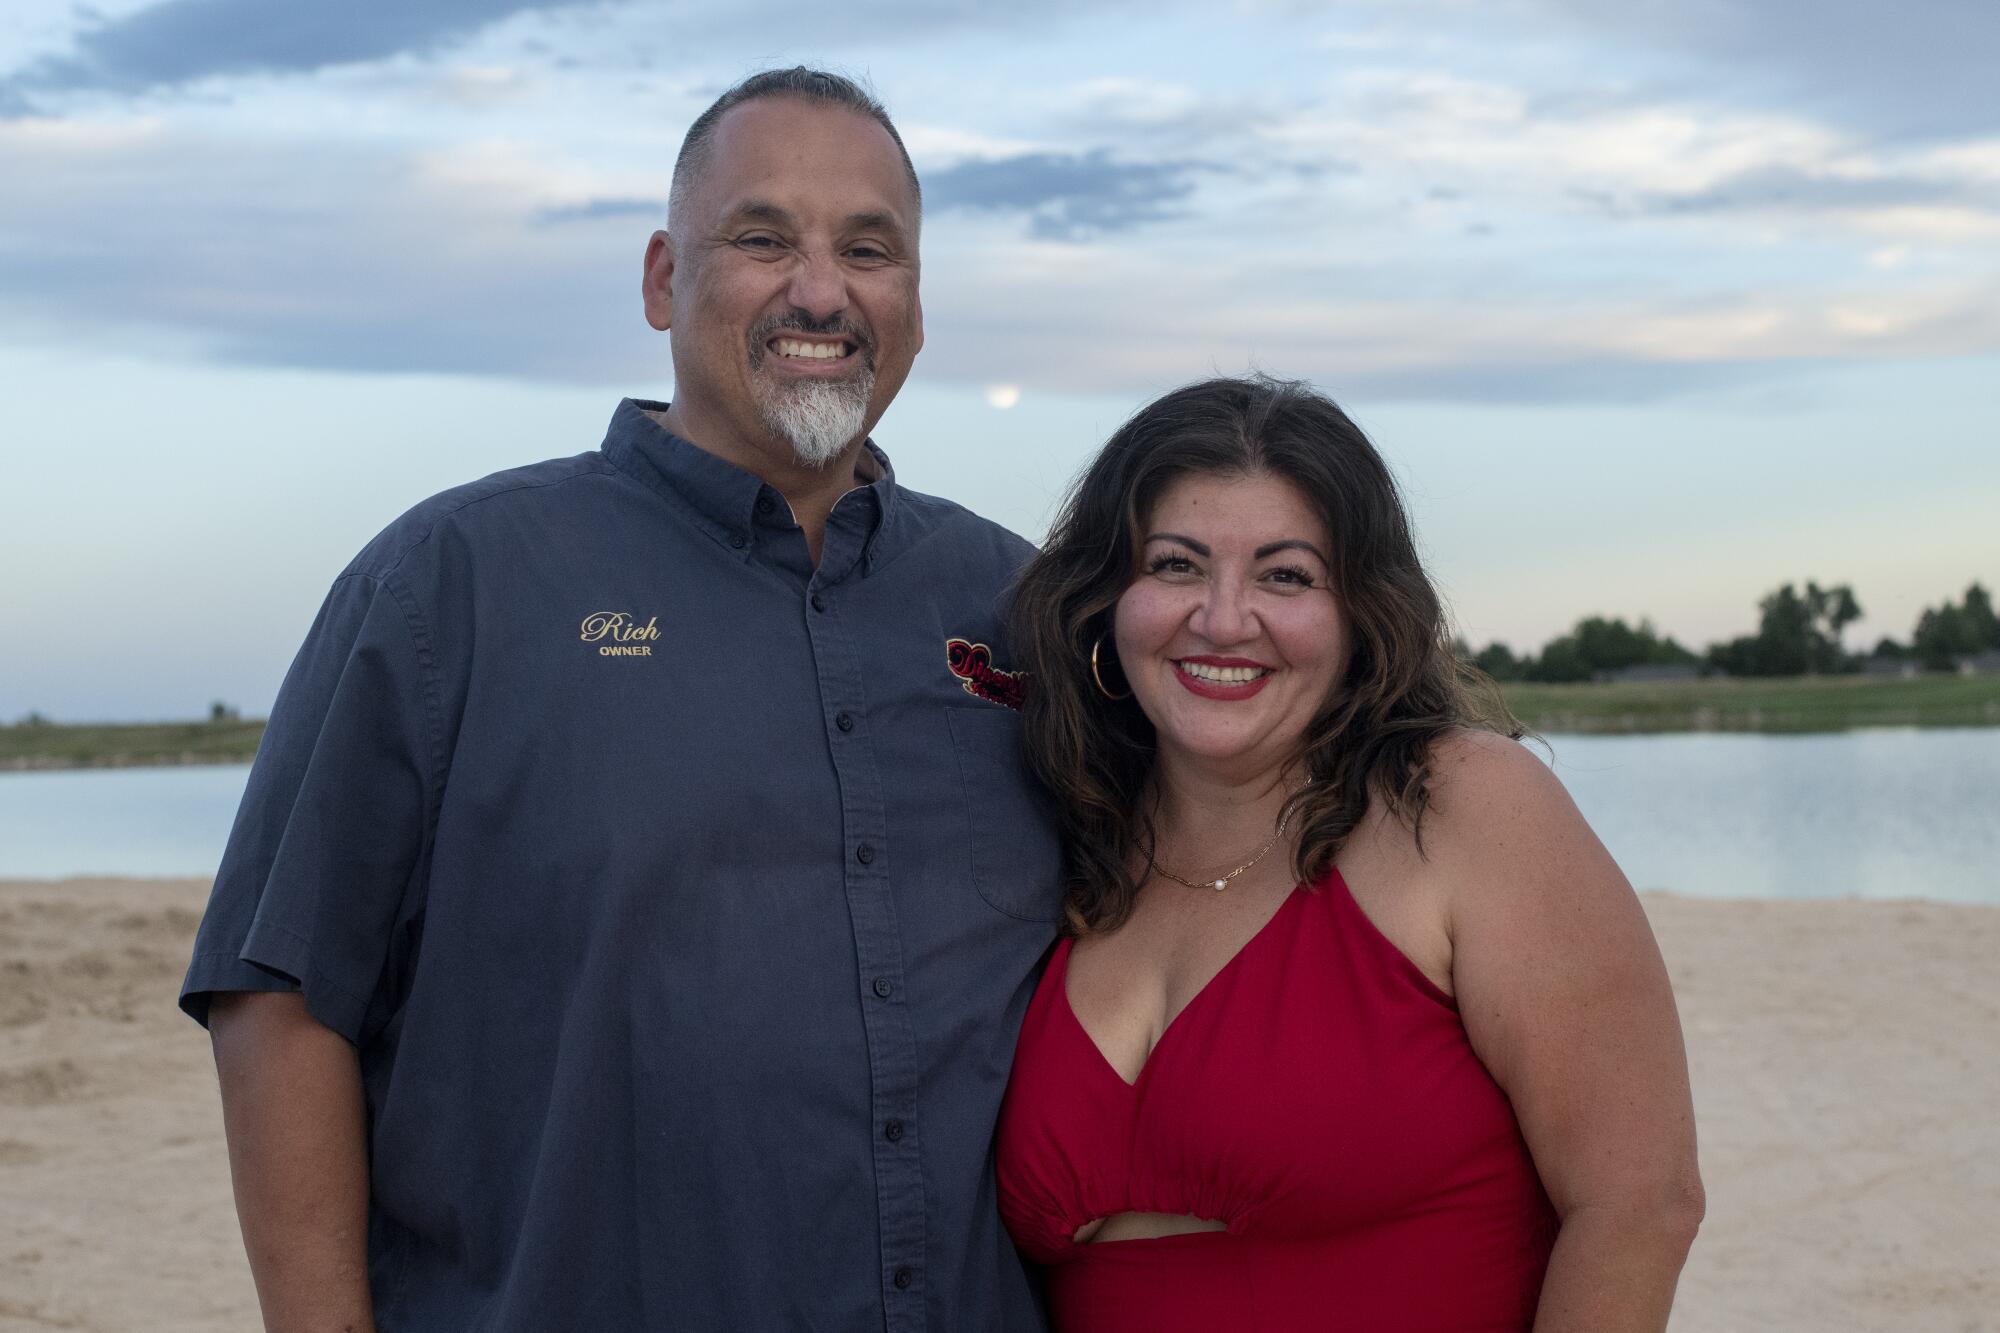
[{"x": 818, "y": 417}]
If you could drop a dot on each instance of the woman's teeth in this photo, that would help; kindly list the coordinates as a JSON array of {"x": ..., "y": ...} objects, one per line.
[{"x": 1221, "y": 675}]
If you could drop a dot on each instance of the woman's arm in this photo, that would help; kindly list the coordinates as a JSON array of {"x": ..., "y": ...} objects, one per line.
[
  {"x": 1565, "y": 998},
  {"x": 293, "y": 1112}
]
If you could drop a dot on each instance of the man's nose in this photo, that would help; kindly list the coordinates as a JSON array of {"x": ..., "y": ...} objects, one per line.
[{"x": 818, "y": 287}]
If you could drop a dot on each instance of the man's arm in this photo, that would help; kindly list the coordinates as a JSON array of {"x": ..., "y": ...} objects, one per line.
[{"x": 293, "y": 1111}]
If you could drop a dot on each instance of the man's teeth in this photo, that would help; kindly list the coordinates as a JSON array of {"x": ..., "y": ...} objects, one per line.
[
  {"x": 1222, "y": 675},
  {"x": 815, "y": 351}
]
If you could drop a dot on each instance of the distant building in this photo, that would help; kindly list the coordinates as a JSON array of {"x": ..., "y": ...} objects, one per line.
[
  {"x": 1892, "y": 666},
  {"x": 1980, "y": 664},
  {"x": 1649, "y": 671}
]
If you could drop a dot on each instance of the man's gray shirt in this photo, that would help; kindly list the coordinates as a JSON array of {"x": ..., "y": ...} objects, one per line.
[{"x": 682, "y": 899}]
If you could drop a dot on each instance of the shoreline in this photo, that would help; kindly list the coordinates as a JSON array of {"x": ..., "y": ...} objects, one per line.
[
  {"x": 1803, "y": 706},
  {"x": 1840, "y": 1051}
]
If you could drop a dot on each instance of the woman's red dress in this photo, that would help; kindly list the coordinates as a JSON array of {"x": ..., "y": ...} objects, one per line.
[{"x": 1321, "y": 1098}]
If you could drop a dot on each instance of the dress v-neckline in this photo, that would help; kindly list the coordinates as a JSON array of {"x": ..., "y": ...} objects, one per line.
[{"x": 1152, "y": 1056}]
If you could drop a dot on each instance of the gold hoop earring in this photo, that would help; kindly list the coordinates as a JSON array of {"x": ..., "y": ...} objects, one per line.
[{"x": 1114, "y": 698}]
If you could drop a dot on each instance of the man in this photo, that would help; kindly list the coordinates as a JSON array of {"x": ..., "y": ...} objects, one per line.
[{"x": 638, "y": 890}]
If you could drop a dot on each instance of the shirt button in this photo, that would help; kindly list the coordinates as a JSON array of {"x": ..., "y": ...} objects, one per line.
[
  {"x": 844, "y": 722},
  {"x": 904, "y": 1277},
  {"x": 893, "y": 1131},
  {"x": 865, "y": 854},
  {"x": 819, "y": 602},
  {"x": 764, "y": 505},
  {"x": 736, "y": 540},
  {"x": 883, "y": 988}
]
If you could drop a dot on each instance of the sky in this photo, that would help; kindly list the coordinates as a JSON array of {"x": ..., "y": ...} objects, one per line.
[{"x": 1651, "y": 307}]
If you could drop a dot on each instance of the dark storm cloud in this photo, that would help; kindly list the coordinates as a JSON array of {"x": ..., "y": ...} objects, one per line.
[{"x": 1066, "y": 195}]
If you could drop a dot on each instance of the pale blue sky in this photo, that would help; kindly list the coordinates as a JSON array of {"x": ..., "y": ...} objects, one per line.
[{"x": 1652, "y": 307}]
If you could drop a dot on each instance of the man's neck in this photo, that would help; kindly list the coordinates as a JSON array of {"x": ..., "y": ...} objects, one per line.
[{"x": 812, "y": 492}]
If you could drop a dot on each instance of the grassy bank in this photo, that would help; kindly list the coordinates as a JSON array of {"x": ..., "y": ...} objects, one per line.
[
  {"x": 35, "y": 745},
  {"x": 1828, "y": 703},
  {"x": 1803, "y": 703}
]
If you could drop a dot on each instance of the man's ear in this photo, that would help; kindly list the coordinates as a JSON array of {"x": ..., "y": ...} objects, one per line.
[{"x": 656, "y": 284}]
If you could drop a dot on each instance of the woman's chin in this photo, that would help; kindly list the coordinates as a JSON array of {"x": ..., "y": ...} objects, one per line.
[{"x": 1231, "y": 752}]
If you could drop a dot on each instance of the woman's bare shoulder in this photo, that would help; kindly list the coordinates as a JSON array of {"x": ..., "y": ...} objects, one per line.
[{"x": 1492, "y": 799}]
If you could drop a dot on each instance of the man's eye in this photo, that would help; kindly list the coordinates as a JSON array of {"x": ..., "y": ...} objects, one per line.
[
  {"x": 867, "y": 252},
  {"x": 758, "y": 242}
]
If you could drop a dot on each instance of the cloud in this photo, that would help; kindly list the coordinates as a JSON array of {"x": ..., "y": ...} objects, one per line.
[
  {"x": 594, "y": 210},
  {"x": 1923, "y": 72},
  {"x": 360, "y": 257},
  {"x": 1088, "y": 324},
  {"x": 338, "y": 257},
  {"x": 1066, "y": 196},
  {"x": 177, "y": 42},
  {"x": 180, "y": 41},
  {"x": 1421, "y": 231},
  {"x": 1793, "y": 189}
]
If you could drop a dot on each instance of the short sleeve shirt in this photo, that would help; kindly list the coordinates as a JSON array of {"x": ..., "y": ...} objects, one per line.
[{"x": 681, "y": 897}]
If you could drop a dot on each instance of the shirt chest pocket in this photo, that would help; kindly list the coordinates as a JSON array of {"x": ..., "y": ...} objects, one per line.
[{"x": 1010, "y": 825}]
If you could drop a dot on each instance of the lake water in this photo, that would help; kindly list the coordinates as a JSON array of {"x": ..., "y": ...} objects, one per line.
[{"x": 1894, "y": 813}]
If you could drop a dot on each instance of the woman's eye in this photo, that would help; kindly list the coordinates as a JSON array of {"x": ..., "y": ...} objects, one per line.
[
  {"x": 1170, "y": 564},
  {"x": 1293, "y": 575}
]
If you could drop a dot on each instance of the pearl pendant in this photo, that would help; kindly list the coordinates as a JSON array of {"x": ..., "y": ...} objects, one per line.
[{"x": 1221, "y": 884}]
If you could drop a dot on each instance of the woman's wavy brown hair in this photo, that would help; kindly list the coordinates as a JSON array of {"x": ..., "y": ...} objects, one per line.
[{"x": 1403, "y": 688}]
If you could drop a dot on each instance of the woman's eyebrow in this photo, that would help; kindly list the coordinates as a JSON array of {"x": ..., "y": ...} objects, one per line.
[
  {"x": 1189, "y": 542},
  {"x": 1290, "y": 544}
]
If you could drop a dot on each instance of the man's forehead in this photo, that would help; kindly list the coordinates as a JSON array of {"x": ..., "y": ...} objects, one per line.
[{"x": 771, "y": 147}]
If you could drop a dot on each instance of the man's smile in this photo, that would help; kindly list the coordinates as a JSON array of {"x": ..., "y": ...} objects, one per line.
[{"x": 810, "y": 349}]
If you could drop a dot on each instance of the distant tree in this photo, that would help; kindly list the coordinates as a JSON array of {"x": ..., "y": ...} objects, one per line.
[
  {"x": 1945, "y": 633},
  {"x": 1560, "y": 660},
  {"x": 1888, "y": 648},
  {"x": 1736, "y": 657},
  {"x": 1940, "y": 636},
  {"x": 1497, "y": 660},
  {"x": 222, "y": 712},
  {"x": 35, "y": 718},
  {"x": 1599, "y": 643},
  {"x": 1833, "y": 610},
  {"x": 1797, "y": 634},
  {"x": 1981, "y": 625},
  {"x": 1784, "y": 634}
]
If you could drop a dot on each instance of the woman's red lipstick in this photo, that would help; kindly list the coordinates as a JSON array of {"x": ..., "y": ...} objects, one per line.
[{"x": 1215, "y": 689}]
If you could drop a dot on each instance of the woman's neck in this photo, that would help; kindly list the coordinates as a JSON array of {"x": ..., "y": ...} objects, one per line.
[{"x": 1202, "y": 816}]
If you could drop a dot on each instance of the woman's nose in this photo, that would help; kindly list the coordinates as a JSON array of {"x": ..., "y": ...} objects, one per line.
[{"x": 1224, "y": 617}]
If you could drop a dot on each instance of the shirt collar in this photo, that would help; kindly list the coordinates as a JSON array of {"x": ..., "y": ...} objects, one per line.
[{"x": 721, "y": 496}]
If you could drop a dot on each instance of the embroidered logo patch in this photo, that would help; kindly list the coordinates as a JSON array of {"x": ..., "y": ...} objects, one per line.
[
  {"x": 619, "y": 633},
  {"x": 972, "y": 663}
]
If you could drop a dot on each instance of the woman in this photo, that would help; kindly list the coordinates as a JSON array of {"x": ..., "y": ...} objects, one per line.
[{"x": 1357, "y": 1025}]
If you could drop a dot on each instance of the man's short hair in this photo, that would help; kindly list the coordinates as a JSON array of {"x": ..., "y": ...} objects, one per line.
[{"x": 812, "y": 85}]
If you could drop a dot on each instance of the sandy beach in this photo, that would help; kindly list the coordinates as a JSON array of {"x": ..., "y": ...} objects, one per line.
[{"x": 1846, "y": 1062}]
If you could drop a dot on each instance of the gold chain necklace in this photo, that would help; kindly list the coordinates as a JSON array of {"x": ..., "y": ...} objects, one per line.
[{"x": 1220, "y": 884}]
